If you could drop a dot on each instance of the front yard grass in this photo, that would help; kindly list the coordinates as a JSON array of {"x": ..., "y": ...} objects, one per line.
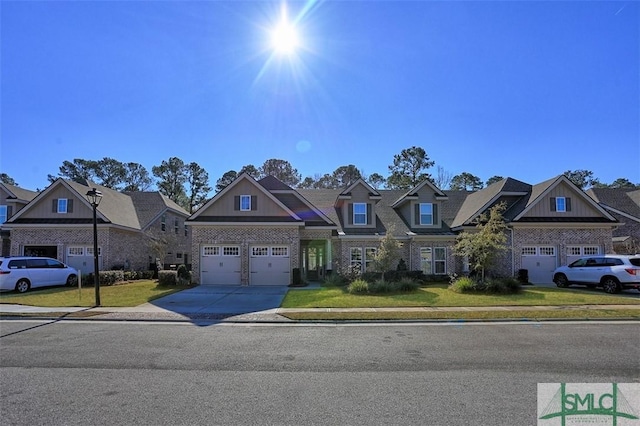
[
  {"x": 121, "y": 295},
  {"x": 438, "y": 295}
]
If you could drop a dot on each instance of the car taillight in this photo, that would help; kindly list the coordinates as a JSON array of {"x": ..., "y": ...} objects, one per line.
[{"x": 633, "y": 271}]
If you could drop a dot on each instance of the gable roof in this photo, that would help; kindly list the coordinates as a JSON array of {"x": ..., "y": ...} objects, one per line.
[
  {"x": 199, "y": 216},
  {"x": 478, "y": 202},
  {"x": 17, "y": 193},
  {"x": 347, "y": 191},
  {"x": 149, "y": 206},
  {"x": 134, "y": 210},
  {"x": 413, "y": 193},
  {"x": 618, "y": 200}
]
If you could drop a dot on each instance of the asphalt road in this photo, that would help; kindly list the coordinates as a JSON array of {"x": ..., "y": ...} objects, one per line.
[{"x": 100, "y": 373}]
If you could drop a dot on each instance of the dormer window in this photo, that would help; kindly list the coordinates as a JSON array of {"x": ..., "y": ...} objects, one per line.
[
  {"x": 426, "y": 214},
  {"x": 359, "y": 213},
  {"x": 4, "y": 215},
  {"x": 245, "y": 203}
]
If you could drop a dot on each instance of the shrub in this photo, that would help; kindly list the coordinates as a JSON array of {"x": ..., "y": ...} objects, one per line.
[
  {"x": 168, "y": 278},
  {"x": 512, "y": 285},
  {"x": 407, "y": 285},
  {"x": 334, "y": 280},
  {"x": 380, "y": 286},
  {"x": 402, "y": 265},
  {"x": 358, "y": 286},
  {"x": 371, "y": 276},
  {"x": 494, "y": 285},
  {"x": 464, "y": 285}
]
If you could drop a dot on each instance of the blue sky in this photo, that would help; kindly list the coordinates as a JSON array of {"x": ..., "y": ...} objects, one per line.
[{"x": 511, "y": 88}]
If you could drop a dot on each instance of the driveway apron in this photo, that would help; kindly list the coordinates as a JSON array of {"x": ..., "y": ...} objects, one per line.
[{"x": 223, "y": 299}]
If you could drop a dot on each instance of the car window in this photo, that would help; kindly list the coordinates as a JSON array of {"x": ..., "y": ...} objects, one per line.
[
  {"x": 579, "y": 262},
  {"x": 36, "y": 263},
  {"x": 17, "y": 264},
  {"x": 635, "y": 261},
  {"x": 51, "y": 263},
  {"x": 592, "y": 262},
  {"x": 612, "y": 261}
]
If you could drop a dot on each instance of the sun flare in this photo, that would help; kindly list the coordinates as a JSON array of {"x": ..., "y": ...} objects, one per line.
[{"x": 284, "y": 38}]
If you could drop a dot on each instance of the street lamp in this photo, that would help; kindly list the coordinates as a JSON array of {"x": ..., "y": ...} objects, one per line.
[{"x": 94, "y": 196}]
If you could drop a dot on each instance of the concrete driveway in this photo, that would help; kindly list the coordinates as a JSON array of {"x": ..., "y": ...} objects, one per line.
[{"x": 223, "y": 300}]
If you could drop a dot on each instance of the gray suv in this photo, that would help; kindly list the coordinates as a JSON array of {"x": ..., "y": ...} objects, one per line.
[{"x": 612, "y": 272}]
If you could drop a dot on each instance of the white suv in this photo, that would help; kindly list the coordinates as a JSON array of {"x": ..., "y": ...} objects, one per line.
[
  {"x": 612, "y": 272},
  {"x": 21, "y": 273}
]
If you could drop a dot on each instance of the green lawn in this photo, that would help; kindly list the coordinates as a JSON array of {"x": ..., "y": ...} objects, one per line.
[
  {"x": 575, "y": 314},
  {"x": 439, "y": 295},
  {"x": 129, "y": 294}
]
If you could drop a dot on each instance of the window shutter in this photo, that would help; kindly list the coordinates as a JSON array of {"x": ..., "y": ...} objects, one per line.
[
  {"x": 567, "y": 202},
  {"x": 69, "y": 206},
  {"x": 417, "y": 215},
  {"x": 350, "y": 214},
  {"x": 54, "y": 205},
  {"x": 9, "y": 211},
  {"x": 435, "y": 214},
  {"x": 254, "y": 202},
  {"x": 369, "y": 208},
  {"x": 236, "y": 202},
  {"x": 553, "y": 204}
]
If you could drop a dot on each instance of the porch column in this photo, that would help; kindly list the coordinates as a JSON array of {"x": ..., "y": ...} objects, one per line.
[{"x": 328, "y": 256}]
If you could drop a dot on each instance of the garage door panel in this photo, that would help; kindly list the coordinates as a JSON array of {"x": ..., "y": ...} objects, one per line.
[
  {"x": 270, "y": 265},
  {"x": 220, "y": 265},
  {"x": 540, "y": 262}
]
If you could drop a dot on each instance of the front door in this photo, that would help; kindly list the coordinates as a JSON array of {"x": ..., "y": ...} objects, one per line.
[{"x": 314, "y": 261}]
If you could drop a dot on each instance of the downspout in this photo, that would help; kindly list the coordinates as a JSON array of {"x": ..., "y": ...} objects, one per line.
[{"x": 513, "y": 255}]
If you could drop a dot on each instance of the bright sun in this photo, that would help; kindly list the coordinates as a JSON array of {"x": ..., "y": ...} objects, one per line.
[{"x": 284, "y": 38}]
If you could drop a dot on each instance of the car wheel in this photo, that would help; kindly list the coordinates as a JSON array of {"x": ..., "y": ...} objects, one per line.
[
  {"x": 561, "y": 280},
  {"x": 22, "y": 286},
  {"x": 72, "y": 281},
  {"x": 610, "y": 285}
]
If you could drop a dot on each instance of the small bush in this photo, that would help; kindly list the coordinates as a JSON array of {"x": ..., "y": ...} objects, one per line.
[
  {"x": 168, "y": 278},
  {"x": 407, "y": 285},
  {"x": 184, "y": 275},
  {"x": 370, "y": 276},
  {"x": 512, "y": 285},
  {"x": 402, "y": 265},
  {"x": 334, "y": 280},
  {"x": 464, "y": 285},
  {"x": 494, "y": 286},
  {"x": 380, "y": 286},
  {"x": 358, "y": 286}
]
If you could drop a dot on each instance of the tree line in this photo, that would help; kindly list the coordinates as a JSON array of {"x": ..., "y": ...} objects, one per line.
[{"x": 188, "y": 185}]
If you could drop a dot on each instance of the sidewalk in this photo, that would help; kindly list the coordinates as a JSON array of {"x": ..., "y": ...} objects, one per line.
[{"x": 149, "y": 312}]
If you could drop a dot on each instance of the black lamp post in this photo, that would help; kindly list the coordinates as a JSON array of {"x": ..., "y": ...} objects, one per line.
[{"x": 94, "y": 196}]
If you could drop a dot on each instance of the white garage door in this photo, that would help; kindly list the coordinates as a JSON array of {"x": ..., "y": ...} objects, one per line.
[
  {"x": 576, "y": 252},
  {"x": 81, "y": 258},
  {"x": 540, "y": 261},
  {"x": 220, "y": 265},
  {"x": 269, "y": 265}
]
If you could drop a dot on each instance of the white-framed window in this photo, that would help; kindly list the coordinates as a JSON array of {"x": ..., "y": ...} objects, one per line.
[
  {"x": 176, "y": 226},
  {"x": 89, "y": 251},
  {"x": 280, "y": 251},
  {"x": 561, "y": 204},
  {"x": 359, "y": 213},
  {"x": 547, "y": 251},
  {"x": 591, "y": 250},
  {"x": 62, "y": 205},
  {"x": 529, "y": 251},
  {"x": 426, "y": 259},
  {"x": 260, "y": 251},
  {"x": 574, "y": 251},
  {"x": 211, "y": 251},
  {"x": 369, "y": 256},
  {"x": 440, "y": 260},
  {"x": 356, "y": 258},
  {"x": 426, "y": 214},
  {"x": 231, "y": 251},
  {"x": 3, "y": 214},
  {"x": 75, "y": 251},
  {"x": 245, "y": 203}
]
